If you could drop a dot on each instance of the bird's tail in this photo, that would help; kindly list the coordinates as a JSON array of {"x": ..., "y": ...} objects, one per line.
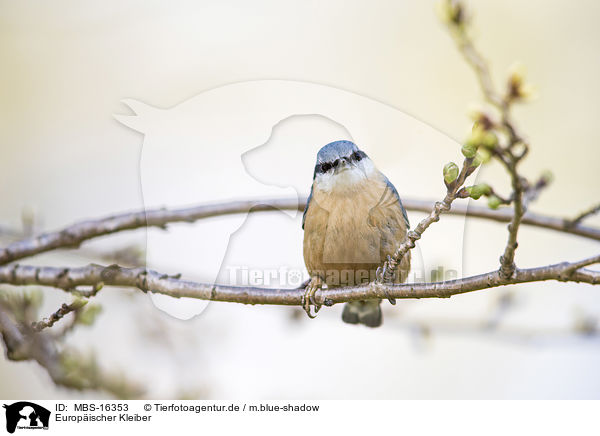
[{"x": 366, "y": 312}]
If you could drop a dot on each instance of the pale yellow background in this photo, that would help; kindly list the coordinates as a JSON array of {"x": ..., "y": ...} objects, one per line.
[{"x": 66, "y": 66}]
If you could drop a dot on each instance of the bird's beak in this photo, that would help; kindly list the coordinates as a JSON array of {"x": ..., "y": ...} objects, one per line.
[{"x": 348, "y": 164}]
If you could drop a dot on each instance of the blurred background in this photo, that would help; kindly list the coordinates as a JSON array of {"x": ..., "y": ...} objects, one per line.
[{"x": 68, "y": 66}]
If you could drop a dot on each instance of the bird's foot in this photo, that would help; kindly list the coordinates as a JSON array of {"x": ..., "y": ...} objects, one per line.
[
  {"x": 391, "y": 299},
  {"x": 308, "y": 298}
]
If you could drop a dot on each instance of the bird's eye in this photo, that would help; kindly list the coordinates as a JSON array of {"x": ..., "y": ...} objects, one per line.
[{"x": 356, "y": 156}]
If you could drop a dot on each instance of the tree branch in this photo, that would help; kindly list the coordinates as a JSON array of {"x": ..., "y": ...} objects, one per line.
[
  {"x": 73, "y": 235},
  {"x": 155, "y": 282},
  {"x": 63, "y": 366}
]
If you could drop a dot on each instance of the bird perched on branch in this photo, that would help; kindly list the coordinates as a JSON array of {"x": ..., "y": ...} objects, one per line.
[{"x": 352, "y": 222}]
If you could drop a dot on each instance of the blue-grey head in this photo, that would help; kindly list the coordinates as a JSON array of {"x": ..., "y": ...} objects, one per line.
[
  {"x": 341, "y": 162},
  {"x": 342, "y": 168}
]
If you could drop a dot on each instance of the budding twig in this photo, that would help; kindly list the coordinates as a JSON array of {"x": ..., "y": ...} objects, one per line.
[
  {"x": 58, "y": 315},
  {"x": 64, "y": 367},
  {"x": 386, "y": 273},
  {"x": 507, "y": 154}
]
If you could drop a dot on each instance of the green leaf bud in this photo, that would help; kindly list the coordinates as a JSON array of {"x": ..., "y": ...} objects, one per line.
[
  {"x": 494, "y": 202},
  {"x": 489, "y": 140},
  {"x": 89, "y": 314},
  {"x": 451, "y": 172},
  {"x": 469, "y": 150},
  {"x": 78, "y": 303},
  {"x": 482, "y": 156},
  {"x": 476, "y": 191}
]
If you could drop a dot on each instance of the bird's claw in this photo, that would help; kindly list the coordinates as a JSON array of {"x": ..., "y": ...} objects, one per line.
[
  {"x": 308, "y": 298},
  {"x": 391, "y": 299}
]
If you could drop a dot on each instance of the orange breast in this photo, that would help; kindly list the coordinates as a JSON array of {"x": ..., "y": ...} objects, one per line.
[{"x": 349, "y": 233}]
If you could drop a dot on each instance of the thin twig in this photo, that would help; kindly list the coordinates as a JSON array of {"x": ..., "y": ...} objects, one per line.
[
  {"x": 583, "y": 215},
  {"x": 504, "y": 154},
  {"x": 387, "y": 272},
  {"x": 533, "y": 191},
  {"x": 507, "y": 260},
  {"x": 58, "y": 315},
  {"x": 64, "y": 367}
]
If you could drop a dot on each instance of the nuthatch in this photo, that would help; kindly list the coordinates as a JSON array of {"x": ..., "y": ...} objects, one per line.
[{"x": 352, "y": 222}]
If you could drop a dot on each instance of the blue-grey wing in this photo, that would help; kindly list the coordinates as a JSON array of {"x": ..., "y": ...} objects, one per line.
[
  {"x": 306, "y": 208},
  {"x": 395, "y": 197}
]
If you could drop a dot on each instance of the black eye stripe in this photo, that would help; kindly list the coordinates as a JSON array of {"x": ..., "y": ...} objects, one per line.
[
  {"x": 358, "y": 155},
  {"x": 324, "y": 167}
]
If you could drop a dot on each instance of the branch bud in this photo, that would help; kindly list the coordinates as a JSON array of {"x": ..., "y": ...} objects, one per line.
[
  {"x": 469, "y": 150},
  {"x": 89, "y": 314},
  {"x": 482, "y": 156},
  {"x": 547, "y": 176},
  {"x": 517, "y": 89},
  {"x": 481, "y": 118},
  {"x": 476, "y": 191},
  {"x": 450, "y": 172},
  {"x": 494, "y": 202},
  {"x": 451, "y": 12},
  {"x": 489, "y": 140},
  {"x": 78, "y": 303}
]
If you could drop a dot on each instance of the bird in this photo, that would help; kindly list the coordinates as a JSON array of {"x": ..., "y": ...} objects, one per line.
[{"x": 353, "y": 221}]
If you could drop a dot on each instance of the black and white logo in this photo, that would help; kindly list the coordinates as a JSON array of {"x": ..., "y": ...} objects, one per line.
[{"x": 26, "y": 415}]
